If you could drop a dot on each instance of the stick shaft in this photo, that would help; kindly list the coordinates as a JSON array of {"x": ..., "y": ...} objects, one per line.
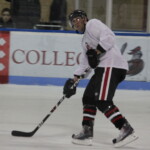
[{"x": 29, "y": 134}]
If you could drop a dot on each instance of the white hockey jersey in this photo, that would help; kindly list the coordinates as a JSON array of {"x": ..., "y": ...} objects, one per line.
[{"x": 96, "y": 33}]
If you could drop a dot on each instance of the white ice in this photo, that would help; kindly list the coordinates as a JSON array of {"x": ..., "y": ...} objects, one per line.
[{"x": 24, "y": 107}]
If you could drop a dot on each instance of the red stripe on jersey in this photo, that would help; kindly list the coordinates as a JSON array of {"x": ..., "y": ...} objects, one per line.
[{"x": 105, "y": 84}]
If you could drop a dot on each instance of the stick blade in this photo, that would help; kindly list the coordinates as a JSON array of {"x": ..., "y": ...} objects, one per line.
[{"x": 22, "y": 134}]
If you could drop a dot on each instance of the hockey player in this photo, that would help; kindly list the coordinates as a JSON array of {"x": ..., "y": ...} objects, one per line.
[{"x": 101, "y": 53}]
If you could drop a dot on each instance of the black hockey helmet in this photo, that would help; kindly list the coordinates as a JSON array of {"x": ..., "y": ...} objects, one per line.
[{"x": 77, "y": 13}]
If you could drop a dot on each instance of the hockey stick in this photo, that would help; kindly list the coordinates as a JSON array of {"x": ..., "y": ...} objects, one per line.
[{"x": 30, "y": 134}]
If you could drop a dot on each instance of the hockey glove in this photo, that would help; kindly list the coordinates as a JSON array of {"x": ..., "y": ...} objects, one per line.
[
  {"x": 69, "y": 89},
  {"x": 93, "y": 58}
]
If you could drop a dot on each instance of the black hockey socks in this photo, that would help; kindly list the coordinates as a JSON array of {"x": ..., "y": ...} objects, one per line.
[
  {"x": 111, "y": 112},
  {"x": 89, "y": 112},
  {"x": 114, "y": 115}
]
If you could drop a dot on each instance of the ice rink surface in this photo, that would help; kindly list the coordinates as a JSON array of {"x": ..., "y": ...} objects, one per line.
[{"x": 24, "y": 107}]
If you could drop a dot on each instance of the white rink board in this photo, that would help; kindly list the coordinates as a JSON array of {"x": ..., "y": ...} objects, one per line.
[
  {"x": 43, "y": 54},
  {"x": 133, "y": 42},
  {"x": 58, "y": 54}
]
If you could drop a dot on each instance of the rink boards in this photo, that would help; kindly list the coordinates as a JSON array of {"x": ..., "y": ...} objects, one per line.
[{"x": 44, "y": 58}]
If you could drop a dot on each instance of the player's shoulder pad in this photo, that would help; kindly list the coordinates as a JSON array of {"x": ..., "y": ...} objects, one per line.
[{"x": 92, "y": 23}]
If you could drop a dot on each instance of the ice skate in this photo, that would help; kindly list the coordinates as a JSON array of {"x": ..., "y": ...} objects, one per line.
[
  {"x": 84, "y": 137},
  {"x": 126, "y": 136}
]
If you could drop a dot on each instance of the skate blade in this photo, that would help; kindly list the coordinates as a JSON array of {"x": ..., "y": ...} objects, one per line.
[
  {"x": 126, "y": 141},
  {"x": 87, "y": 142}
]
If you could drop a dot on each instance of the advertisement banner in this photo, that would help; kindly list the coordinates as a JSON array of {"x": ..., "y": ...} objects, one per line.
[
  {"x": 135, "y": 50},
  {"x": 44, "y": 54},
  {"x": 57, "y": 55},
  {"x": 4, "y": 56}
]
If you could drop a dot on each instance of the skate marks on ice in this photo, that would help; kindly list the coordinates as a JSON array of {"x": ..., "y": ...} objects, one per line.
[{"x": 23, "y": 107}]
